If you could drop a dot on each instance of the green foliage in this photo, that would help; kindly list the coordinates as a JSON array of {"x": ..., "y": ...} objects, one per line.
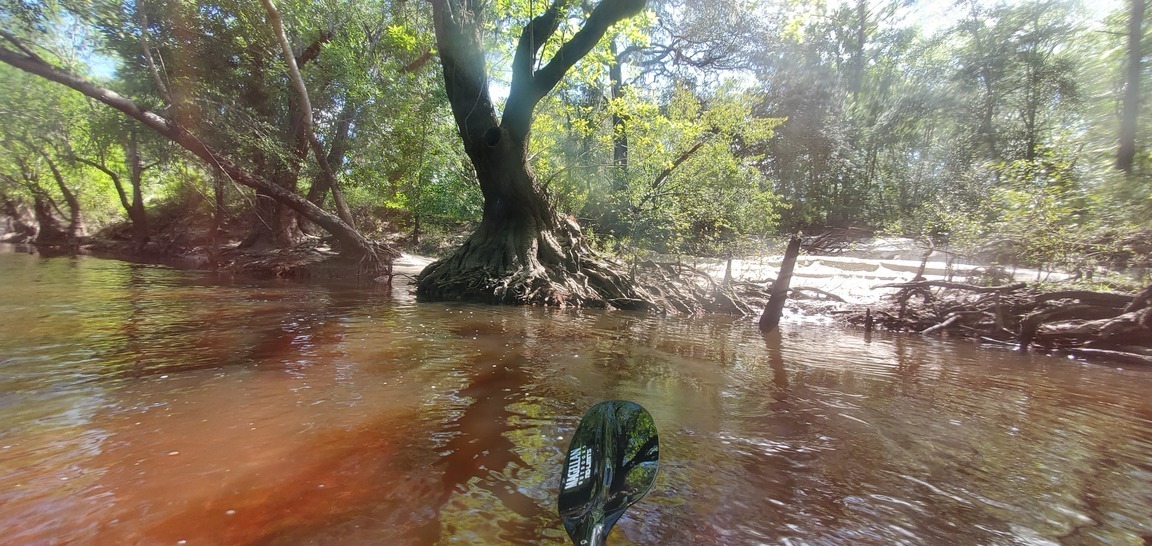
[
  {"x": 42, "y": 122},
  {"x": 691, "y": 187},
  {"x": 696, "y": 127}
]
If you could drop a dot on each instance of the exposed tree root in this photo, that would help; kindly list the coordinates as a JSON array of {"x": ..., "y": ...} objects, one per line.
[
  {"x": 548, "y": 268},
  {"x": 1097, "y": 325},
  {"x": 557, "y": 269},
  {"x": 311, "y": 259}
]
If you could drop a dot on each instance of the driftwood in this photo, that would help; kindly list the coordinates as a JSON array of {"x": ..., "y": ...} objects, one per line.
[
  {"x": 1032, "y": 322},
  {"x": 1117, "y": 356},
  {"x": 1084, "y": 323},
  {"x": 1113, "y": 331},
  {"x": 1118, "y": 301},
  {"x": 817, "y": 291},
  {"x": 955, "y": 318},
  {"x": 954, "y": 286}
]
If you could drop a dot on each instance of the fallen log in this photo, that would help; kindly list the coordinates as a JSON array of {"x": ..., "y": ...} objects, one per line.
[
  {"x": 955, "y": 317},
  {"x": 1118, "y": 356},
  {"x": 1032, "y": 322},
  {"x": 1128, "y": 328},
  {"x": 954, "y": 286},
  {"x": 1089, "y": 297}
]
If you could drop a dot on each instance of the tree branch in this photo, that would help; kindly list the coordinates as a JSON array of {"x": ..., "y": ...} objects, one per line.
[
  {"x": 667, "y": 172},
  {"x": 306, "y": 112},
  {"x": 111, "y": 174},
  {"x": 311, "y": 52},
  {"x": 169, "y": 129},
  {"x": 20, "y": 45},
  {"x": 458, "y": 40},
  {"x": 418, "y": 63},
  {"x": 532, "y": 38},
  {"x": 528, "y": 88},
  {"x": 146, "y": 46}
]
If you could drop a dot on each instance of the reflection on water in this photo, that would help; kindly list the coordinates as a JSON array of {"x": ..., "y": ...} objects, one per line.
[{"x": 144, "y": 405}]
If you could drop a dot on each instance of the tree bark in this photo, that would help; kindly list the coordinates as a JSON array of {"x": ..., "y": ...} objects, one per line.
[
  {"x": 1126, "y": 151},
  {"x": 770, "y": 318},
  {"x": 49, "y": 232},
  {"x": 523, "y": 251},
  {"x": 133, "y": 207},
  {"x": 306, "y": 114},
  {"x": 337, "y": 149},
  {"x": 17, "y": 229},
  {"x": 76, "y": 228},
  {"x": 351, "y": 241},
  {"x": 136, "y": 211},
  {"x": 619, "y": 125}
]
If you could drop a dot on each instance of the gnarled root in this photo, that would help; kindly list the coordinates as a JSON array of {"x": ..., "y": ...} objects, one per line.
[{"x": 548, "y": 268}]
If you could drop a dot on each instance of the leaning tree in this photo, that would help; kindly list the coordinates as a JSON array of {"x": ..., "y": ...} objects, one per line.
[{"x": 524, "y": 251}]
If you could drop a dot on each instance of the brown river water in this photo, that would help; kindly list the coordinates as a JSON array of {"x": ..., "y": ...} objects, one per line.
[{"x": 144, "y": 405}]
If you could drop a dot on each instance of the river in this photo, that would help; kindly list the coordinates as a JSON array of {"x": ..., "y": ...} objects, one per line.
[{"x": 145, "y": 405}]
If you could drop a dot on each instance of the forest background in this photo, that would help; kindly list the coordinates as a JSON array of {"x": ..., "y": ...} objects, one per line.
[{"x": 1010, "y": 131}]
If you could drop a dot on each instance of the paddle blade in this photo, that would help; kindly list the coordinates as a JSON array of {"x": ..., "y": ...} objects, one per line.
[{"x": 611, "y": 463}]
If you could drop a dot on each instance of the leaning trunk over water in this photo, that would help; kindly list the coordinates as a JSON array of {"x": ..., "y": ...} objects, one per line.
[
  {"x": 352, "y": 243},
  {"x": 523, "y": 251}
]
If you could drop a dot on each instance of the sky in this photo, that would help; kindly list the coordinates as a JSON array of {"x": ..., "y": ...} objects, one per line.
[
  {"x": 936, "y": 14},
  {"x": 932, "y": 15}
]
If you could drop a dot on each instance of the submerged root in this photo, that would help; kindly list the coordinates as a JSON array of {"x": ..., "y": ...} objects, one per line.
[{"x": 583, "y": 284}]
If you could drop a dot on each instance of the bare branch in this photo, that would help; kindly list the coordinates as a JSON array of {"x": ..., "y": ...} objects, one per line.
[
  {"x": 667, "y": 172},
  {"x": 112, "y": 175},
  {"x": 306, "y": 112},
  {"x": 146, "y": 46}
]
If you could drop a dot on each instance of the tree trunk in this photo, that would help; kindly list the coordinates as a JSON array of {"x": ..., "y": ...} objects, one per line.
[
  {"x": 17, "y": 230},
  {"x": 273, "y": 224},
  {"x": 336, "y": 150},
  {"x": 49, "y": 232},
  {"x": 136, "y": 208},
  {"x": 770, "y": 318},
  {"x": 76, "y": 228},
  {"x": 218, "y": 214},
  {"x": 619, "y": 125},
  {"x": 1126, "y": 152},
  {"x": 523, "y": 251},
  {"x": 352, "y": 243},
  {"x": 305, "y": 114}
]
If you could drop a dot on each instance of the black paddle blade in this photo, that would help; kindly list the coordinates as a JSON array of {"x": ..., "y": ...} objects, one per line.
[{"x": 611, "y": 463}]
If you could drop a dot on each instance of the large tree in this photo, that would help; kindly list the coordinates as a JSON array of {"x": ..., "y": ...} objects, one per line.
[
  {"x": 524, "y": 251},
  {"x": 23, "y": 58},
  {"x": 1126, "y": 151},
  {"x": 188, "y": 102}
]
